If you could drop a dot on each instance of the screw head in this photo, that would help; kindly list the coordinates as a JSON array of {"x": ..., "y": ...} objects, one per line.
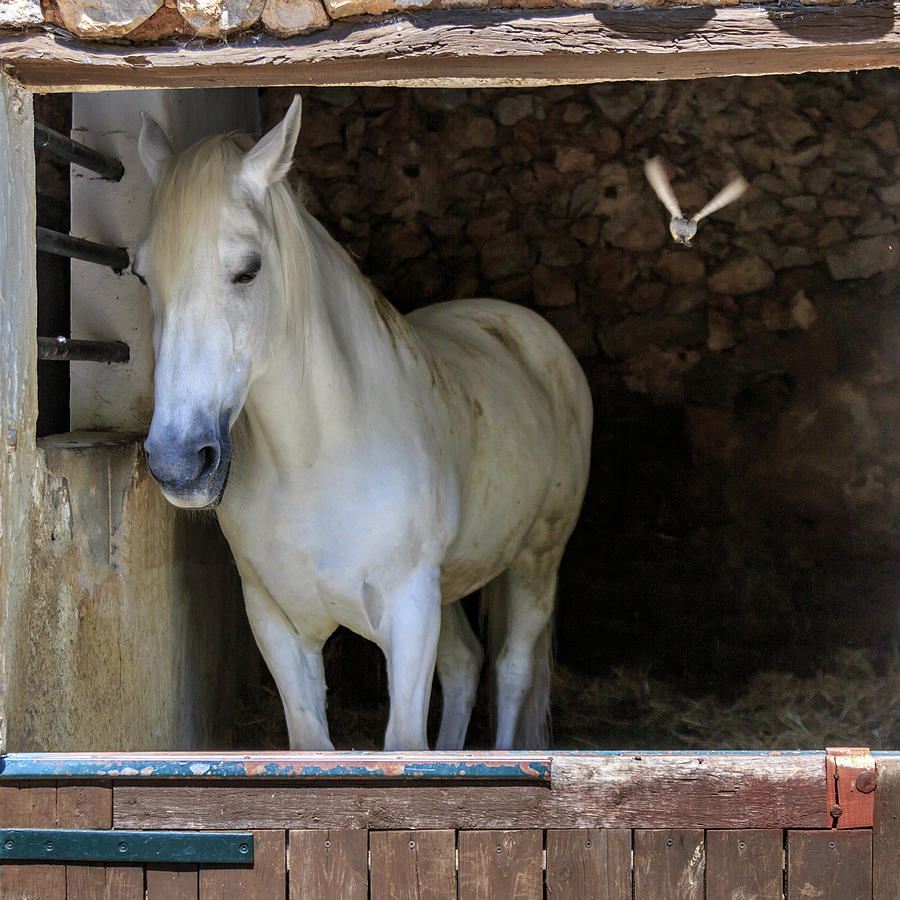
[
  {"x": 48, "y": 845},
  {"x": 123, "y": 847},
  {"x": 836, "y": 812},
  {"x": 244, "y": 848},
  {"x": 412, "y": 845},
  {"x": 866, "y": 781},
  {"x": 9, "y": 843}
]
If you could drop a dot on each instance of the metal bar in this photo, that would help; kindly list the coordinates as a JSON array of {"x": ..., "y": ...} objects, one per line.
[
  {"x": 454, "y": 766},
  {"x": 78, "y": 248},
  {"x": 106, "y": 166},
  {"x": 126, "y": 846},
  {"x": 65, "y": 350}
]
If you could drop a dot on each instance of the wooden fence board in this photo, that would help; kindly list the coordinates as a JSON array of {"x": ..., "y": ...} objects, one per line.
[
  {"x": 329, "y": 864},
  {"x": 588, "y": 862},
  {"x": 90, "y": 806},
  {"x": 84, "y": 805},
  {"x": 669, "y": 864},
  {"x": 495, "y": 864},
  {"x": 172, "y": 882},
  {"x": 412, "y": 865},
  {"x": 95, "y": 881},
  {"x": 263, "y": 880},
  {"x": 355, "y": 807},
  {"x": 681, "y": 790},
  {"x": 886, "y": 835},
  {"x": 829, "y": 865},
  {"x": 30, "y": 805},
  {"x": 744, "y": 863}
]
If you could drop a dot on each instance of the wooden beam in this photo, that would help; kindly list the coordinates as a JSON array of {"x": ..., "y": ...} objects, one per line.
[
  {"x": 586, "y": 790},
  {"x": 488, "y": 48}
]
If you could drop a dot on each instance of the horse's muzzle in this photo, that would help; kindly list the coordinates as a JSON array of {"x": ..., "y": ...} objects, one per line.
[{"x": 192, "y": 474}]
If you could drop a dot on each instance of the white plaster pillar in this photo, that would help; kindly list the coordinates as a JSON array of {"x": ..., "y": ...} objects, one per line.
[
  {"x": 18, "y": 368},
  {"x": 106, "y": 306}
]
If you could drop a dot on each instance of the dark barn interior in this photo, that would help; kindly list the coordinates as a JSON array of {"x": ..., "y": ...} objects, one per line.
[{"x": 733, "y": 579}]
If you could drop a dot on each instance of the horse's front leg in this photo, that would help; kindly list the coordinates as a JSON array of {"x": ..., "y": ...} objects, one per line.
[
  {"x": 295, "y": 661},
  {"x": 412, "y": 620}
]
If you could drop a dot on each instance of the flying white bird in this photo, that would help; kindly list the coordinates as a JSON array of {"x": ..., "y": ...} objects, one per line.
[{"x": 680, "y": 228}]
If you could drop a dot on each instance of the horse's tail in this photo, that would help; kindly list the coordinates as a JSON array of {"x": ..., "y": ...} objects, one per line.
[{"x": 533, "y": 727}]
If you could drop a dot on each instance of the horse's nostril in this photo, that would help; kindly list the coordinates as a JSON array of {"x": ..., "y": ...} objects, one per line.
[{"x": 209, "y": 458}]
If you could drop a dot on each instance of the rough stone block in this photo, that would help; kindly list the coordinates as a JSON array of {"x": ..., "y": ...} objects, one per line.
[
  {"x": 285, "y": 18},
  {"x": 110, "y": 19},
  {"x": 19, "y": 13},
  {"x": 216, "y": 18}
]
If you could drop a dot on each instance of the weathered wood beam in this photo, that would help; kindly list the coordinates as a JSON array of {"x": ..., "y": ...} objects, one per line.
[
  {"x": 586, "y": 790},
  {"x": 489, "y": 48}
]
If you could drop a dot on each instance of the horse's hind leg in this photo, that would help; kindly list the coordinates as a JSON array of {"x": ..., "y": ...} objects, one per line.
[
  {"x": 297, "y": 668},
  {"x": 523, "y": 664},
  {"x": 459, "y": 657}
]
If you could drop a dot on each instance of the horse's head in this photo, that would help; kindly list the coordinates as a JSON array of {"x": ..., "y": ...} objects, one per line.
[{"x": 211, "y": 261}]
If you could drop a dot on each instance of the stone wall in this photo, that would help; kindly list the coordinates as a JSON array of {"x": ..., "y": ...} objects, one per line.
[
  {"x": 744, "y": 510},
  {"x": 148, "y": 21}
]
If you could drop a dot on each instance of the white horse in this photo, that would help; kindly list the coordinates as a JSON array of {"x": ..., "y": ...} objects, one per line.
[{"x": 381, "y": 467}]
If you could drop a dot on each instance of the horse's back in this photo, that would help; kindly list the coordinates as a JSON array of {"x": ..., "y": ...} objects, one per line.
[{"x": 519, "y": 422}]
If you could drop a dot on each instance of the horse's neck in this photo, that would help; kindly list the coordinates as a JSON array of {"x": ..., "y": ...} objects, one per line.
[{"x": 356, "y": 354}]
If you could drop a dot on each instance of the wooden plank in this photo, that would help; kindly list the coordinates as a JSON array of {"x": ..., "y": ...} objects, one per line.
[
  {"x": 172, "y": 882},
  {"x": 494, "y": 864},
  {"x": 89, "y": 806},
  {"x": 84, "y": 805},
  {"x": 354, "y": 807},
  {"x": 669, "y": 864},
  {"x": 261, "y": 881},
  {"x": 30, "y": 805},
  {"x": 679, "y": 790},
  {"x": 754, "y": 790},
  {"x": 744, "y": 863},
  {"x": 488, "y": 47},
  {"x": 329, "y": 864},
  {"x": 96, "y": 881},
  {"x": 589, "y": 862},
  {"x": 412, "y": 865},
  {"x": 886, "y": 835},
  {"x": 831, "y": 865}
]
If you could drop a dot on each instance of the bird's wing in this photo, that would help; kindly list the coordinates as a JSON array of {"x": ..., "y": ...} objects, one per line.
[
  {"x": 727, "y": 195},
  {"x": 659, "y": 181}
]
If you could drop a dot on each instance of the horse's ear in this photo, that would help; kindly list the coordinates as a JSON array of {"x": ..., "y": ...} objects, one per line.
[
  {"x": 154, "y": 147},
  {"x": 270, "y": 160}
]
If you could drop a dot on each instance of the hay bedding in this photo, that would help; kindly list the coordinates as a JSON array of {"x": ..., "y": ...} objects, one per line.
[{"x": 849, "y": 703}]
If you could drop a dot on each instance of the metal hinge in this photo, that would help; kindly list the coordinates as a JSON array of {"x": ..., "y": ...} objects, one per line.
[
  {"x": 851, "y": 779},
  {"x": 125, "y": 846}
]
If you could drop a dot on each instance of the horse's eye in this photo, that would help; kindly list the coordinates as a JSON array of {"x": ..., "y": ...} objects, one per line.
[{"x": 248, "y": 274}]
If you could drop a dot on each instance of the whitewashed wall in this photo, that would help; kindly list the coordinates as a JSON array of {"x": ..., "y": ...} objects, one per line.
[{"x": 106, "y": 306}]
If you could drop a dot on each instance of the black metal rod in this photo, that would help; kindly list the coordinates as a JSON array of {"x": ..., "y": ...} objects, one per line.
[
  {"x": 78, "y": 248},
  {"x": 105, "y": 166},
  {"x": 65, "y": 350}
]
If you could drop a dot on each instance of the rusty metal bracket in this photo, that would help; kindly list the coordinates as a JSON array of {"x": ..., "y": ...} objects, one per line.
[{"x": 851, "y": 779}]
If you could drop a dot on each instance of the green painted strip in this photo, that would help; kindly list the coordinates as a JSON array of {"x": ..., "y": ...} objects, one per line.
[{"x": 125, "y": 846}]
